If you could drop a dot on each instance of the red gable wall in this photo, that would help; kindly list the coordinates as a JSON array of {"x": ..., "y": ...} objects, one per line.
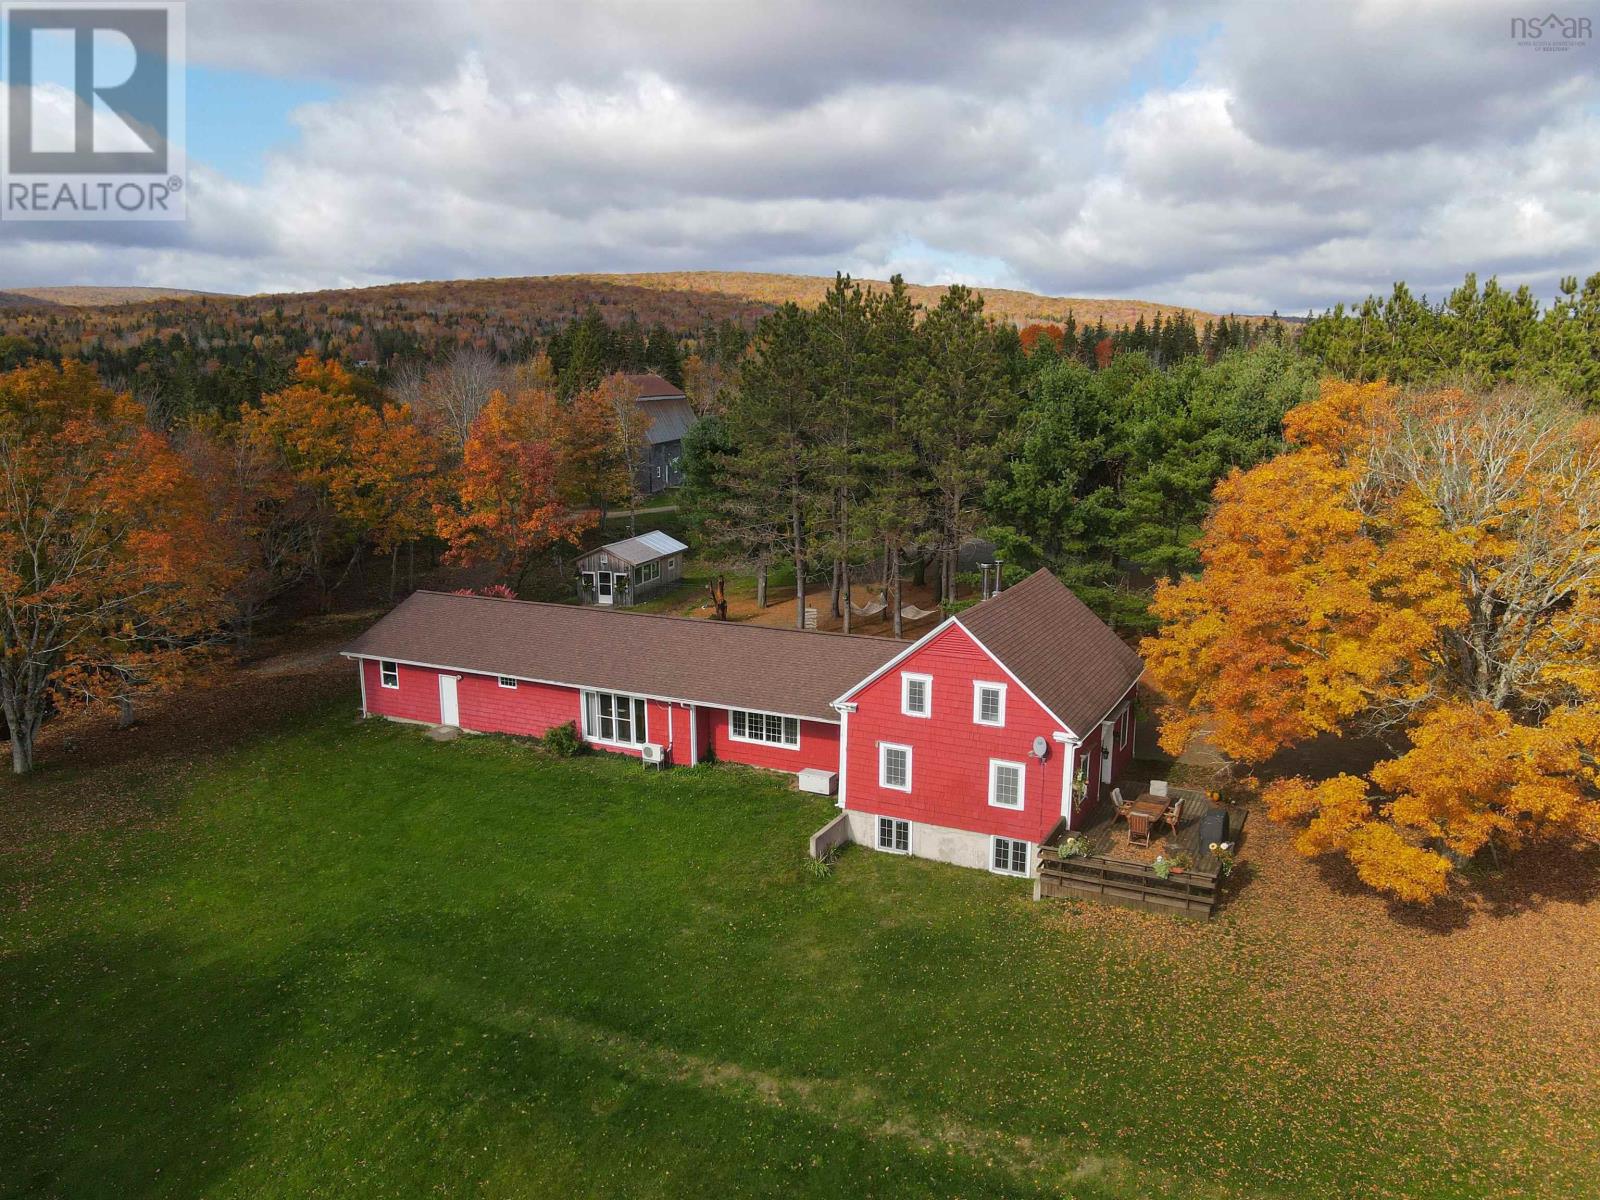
[{"x": 951, "y": 753}]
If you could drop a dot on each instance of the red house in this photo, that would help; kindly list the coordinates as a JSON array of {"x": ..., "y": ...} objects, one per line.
[
  {"x": 974, "y": 743},
  {"x": 971, "y": 745}
]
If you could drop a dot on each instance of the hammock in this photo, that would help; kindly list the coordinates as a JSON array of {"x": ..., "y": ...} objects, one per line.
[
  {"x": 912, "y": 613},
  {"x": 868, "y": 610}
]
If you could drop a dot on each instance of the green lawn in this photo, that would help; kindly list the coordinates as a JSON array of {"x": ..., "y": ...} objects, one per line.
[{"x": 347, "y": 961}]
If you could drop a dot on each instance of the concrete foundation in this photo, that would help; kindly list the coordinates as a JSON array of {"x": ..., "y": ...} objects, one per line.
[{"x": 960, "y": 847}]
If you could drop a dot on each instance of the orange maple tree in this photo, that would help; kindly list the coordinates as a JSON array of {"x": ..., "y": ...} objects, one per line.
[
  {"x": 111, "y": 576},
  {"x": 368, "y": 474},
  {"x": 516, "y": 498},
  {"x": 1420, "y": 566}
]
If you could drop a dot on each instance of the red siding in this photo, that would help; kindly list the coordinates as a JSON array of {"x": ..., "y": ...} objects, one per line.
[
  {"x": 950, "y": 753},
  {"x": 529, "y": 708},
  {"x": 1121, "y": 760},
  {"x": 416, "y": 699},
  {"x": 532, "y": 708},
  {"x": 819, "y": 745}
]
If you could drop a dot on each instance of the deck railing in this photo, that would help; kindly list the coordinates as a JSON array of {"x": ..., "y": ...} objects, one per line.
[{"x": 1189, "y": 893}]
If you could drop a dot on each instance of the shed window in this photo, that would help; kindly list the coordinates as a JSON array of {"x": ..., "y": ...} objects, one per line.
[
  {"x": 916, "y": 695},
  {"x": 507, "y": 681},
  {"x": 770, "y": 728},
  {"x": 1010, "y": 857},
  {"x": 647, "y": 572},
  {"x": 389, "y": 674}
]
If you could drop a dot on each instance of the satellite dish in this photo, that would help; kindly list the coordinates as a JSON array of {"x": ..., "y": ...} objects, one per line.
[{"x": 1041, "y": 748}]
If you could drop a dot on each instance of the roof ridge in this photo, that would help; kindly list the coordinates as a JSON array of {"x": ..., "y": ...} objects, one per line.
[{"x": 830, "y": 633}]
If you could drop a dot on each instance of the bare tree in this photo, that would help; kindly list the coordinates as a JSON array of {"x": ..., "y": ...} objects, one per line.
[
  {"x": 633, "y": 445},
  {"x": 456, "y": 390}
]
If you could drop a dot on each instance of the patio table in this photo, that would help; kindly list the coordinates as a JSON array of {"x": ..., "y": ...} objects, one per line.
[{"x": 1142, "y": 814}]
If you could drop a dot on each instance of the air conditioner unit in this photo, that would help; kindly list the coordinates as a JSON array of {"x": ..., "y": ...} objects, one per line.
[{"x": 653, "y": 754}]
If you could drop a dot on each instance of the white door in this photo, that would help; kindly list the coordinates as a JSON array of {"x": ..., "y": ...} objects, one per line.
[
  {"x": 449, "y": 710},
  {"x": 603, "y": 587}
]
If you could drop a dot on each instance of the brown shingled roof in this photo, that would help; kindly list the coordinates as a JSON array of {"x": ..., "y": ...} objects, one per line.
[
  {"x": 1064, "y": 654},
  {"x": 733, "y": 665},
  {"x": 652, "y": 386}
]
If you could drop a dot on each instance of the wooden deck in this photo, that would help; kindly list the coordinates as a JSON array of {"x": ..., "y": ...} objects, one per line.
[{"x": 1115, "y": 873}]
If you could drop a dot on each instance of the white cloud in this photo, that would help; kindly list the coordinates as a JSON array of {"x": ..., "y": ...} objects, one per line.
[{"x": 1231, "y": 155}]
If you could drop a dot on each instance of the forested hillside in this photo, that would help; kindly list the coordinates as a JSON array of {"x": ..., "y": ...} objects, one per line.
[{"x": 192, "y": 353}]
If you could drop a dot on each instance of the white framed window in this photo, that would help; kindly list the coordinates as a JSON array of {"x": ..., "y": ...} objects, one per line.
[
  {"x": 615, "y": 718},
  {"x": 1006, "y": 783},
  {"x": 989, "y": 704},
  {"x": 1124, "y": 725},
  {"x": 916, "y": 694},
  {"x": 508, "y": 683},
  {"x": 588, "y": 581},
  {"x": 1008, "y": 856},
  {"x": 389, "y": 674},
  {"x": 894, "y": 835},
  {"x": 647, "y": 572},
  {"x": 894, "y": 767},
  {"x": 768, "y": 728}
]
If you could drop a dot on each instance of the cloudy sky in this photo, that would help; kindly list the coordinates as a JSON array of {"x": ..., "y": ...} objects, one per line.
[{"x": 1237, "y": 156}]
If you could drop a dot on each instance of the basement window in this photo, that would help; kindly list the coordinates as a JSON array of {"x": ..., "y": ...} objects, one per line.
[
  {"x": 1009, "y": 857},
  {"x": 894, "y": 835}
]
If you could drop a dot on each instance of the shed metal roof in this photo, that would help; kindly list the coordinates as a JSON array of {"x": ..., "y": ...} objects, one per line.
[
  {"x": 641, "y": 549},
  {"x": 671, "y": 419}
]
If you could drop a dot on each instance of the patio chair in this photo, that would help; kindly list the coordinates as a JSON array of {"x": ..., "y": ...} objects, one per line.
[
  {"x": 1158, "y": 787},
  {"x": 1139, "y": 829},
  {"x": 1174, "y": 815},
  {"x": 1119, "y": 804}
]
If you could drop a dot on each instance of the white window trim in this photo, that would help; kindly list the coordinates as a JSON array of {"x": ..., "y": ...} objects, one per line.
[
  {"x": 751, "y": 712},
  {"x": 1022, "y": 784},
  {"x": 978, "y": 688},
  {"x": 1124, "y": 727},
  {"x": 385, "y": 669},
  {"x": 994, "y": 870},
  {"x": 877, "y": 836},
  {"x": 591, "y": 735},
  {"x": 507, "y": 682},
  {"x": 907, "y": 678},
  {"x": 883, "y": 767}
]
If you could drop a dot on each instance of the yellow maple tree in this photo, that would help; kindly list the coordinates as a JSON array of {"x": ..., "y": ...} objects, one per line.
[{"x": 1424, "y": 566}]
